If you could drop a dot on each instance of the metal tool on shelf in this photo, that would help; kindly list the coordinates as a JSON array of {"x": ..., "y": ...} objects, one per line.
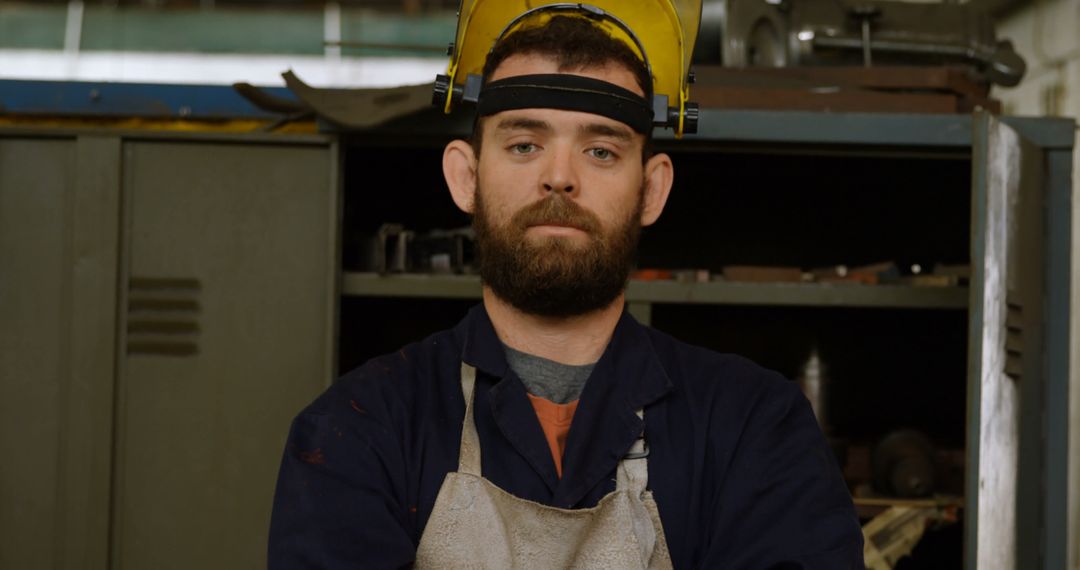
[
  {"x": 442, "y": 251},
  {"x": 813, "y": 382},
  {"x": 393, "y": 249},
  {"x": 903, "y": 464},
  {"x": 388, "y": 250}
]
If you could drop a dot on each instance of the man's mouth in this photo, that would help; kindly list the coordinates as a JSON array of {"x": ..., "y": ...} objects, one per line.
[
  {"x": 556, "y": 225},
  {"x": 556, "y": 229}
]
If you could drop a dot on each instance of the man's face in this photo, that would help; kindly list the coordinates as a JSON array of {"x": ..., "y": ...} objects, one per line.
[{"x": 558, "y": 201}]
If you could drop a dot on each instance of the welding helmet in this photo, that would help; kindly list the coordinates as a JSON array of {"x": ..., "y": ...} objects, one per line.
[{"x": 661, "y": 32}]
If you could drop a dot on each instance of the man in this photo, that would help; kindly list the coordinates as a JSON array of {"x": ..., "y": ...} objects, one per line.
[{"x": 528, "y": 434}]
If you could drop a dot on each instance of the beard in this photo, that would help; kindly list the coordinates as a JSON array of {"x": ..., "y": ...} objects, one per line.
[{"x": 555, "y": 276}]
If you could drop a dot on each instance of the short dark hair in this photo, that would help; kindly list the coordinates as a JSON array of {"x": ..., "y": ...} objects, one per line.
[{"x": 574, "y": 43}]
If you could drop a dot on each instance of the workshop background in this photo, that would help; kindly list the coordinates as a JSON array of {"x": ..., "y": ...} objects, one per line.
[{"x": 208, "y": 209}]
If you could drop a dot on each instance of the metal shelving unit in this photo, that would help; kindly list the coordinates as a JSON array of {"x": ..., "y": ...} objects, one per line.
[
  {"x": 126, "y": 191},
  {"x": 1008, "y": 157}
]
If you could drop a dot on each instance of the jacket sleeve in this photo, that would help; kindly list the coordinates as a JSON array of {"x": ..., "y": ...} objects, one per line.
[
  {"x": 783, "y": 502},
  {"x": 339, "y": 500}
]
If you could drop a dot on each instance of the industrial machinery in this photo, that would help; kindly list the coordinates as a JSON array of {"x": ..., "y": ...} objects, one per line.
[{"x": 798, "y": 33}]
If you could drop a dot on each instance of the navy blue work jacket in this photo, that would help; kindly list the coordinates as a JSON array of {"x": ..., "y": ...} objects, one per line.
[{"x": 740, "y": 471}]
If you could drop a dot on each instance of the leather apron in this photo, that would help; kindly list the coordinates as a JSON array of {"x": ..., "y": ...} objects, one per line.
[{"x": 475, "y": 524}]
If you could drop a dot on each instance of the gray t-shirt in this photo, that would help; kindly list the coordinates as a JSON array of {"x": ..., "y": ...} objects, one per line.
[{"x": 554, "y": 381}]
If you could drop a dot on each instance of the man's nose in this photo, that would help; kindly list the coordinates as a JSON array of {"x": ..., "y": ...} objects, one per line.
[{"x": 560, "y": 174}]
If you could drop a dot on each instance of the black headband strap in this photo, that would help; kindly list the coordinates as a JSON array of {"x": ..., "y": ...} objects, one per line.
[{"x": 569, "y": 93}]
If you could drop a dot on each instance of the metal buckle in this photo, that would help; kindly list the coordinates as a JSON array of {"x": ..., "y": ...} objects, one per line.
[{"x": 641, "y": 454}]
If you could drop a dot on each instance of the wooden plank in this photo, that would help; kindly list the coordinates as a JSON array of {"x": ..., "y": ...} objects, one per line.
[
  {"x": 852, "y": 101},
  {"x": 950, "y": 79},
  {"x": 856, "y": 89}
]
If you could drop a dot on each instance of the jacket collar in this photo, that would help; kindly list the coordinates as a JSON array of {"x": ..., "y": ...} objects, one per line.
[
  {"x": 510, "y": 406},
  {"x": 480, "y": 346},
  {"x": 627, "y": 377}
]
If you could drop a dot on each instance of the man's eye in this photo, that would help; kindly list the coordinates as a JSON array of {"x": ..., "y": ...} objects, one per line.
[
  {"x": 522, "y": 148},
  {"x": 601, "y": 153}
]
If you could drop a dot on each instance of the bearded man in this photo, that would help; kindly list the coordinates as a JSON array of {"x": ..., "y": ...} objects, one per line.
[{"x": 549, "y": 429}]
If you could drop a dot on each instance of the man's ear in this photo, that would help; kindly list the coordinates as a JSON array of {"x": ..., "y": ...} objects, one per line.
[
  {"x": 459, "y": 169},
  {"x": 659, "y": 174}
]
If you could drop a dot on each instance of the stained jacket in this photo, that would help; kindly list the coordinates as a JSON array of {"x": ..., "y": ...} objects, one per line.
[{"x": 740, "y": 471}]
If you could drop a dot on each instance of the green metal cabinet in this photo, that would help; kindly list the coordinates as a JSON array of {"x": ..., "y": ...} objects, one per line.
[{"x": 169, "y": 303}]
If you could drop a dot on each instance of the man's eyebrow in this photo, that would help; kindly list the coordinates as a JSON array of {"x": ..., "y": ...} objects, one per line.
[
  {"x": 522, "y": 123},
  {"x": 607, "y": 131}
]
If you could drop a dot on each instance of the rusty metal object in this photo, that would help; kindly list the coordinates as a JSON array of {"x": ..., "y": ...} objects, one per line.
[{"x": 903, "y": 465}]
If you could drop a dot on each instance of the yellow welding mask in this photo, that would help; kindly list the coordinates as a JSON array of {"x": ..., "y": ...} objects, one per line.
[{"x": 661, "y": 32}]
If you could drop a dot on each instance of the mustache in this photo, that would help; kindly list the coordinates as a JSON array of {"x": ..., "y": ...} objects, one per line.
[{"x": 556, "y": 210}]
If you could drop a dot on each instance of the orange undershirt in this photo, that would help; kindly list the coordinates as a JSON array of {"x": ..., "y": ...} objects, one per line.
[{"x": 555, "y": 421}]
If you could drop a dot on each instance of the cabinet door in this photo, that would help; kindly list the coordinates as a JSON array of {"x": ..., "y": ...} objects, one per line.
[
  {"x": 1005, "y": 494},
  {"x": 31, "y": 340},
  {"x": 228, "y": 332},
  {"x": 59, "y": 219}
]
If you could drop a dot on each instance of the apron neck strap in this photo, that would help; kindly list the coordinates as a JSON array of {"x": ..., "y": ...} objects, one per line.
[
  {"x": 632, "y": 474},
  {"x": 469, "y": 456}
]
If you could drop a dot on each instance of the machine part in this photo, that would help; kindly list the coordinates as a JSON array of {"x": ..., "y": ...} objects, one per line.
[
  {"x": 393, "y": 249},
  {"x": 662, "y": 32},
  {"x": 389, "y": 249},
  {"x": 442, "y": 251},
  {"x": 814, "y": 33},
  {"x": 902, "y": 464},
  {"x": 866, "y": 14},
  {"x": 813, "y": 381},
  {"x": 766, "y": 45},
  {"x": 743, "y": 33},
  {"x": 832, "y": 33}
]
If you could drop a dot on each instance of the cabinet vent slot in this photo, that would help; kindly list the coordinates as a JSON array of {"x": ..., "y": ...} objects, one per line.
[
  {"x": 1014, "y": 339},
  {"x": 163, "y": 316}
]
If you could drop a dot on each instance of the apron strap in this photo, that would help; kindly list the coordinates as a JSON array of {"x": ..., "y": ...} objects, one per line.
[
  {"x": 469, "y": 457},
  {"x": 633, "y": 472}
]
